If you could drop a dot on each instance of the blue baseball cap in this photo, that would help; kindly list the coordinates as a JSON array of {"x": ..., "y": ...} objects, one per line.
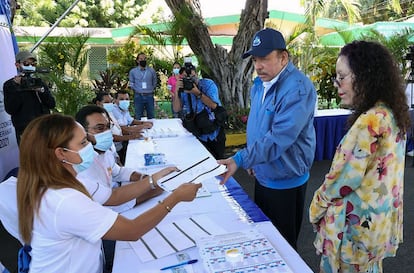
[{"x": 264, "y": 42}]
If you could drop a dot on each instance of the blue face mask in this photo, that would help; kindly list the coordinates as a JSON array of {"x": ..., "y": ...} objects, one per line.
[
  {"x": 108, "y": 106},
  {"x": 87, "y": 154},
  {"x": 124, "y": 105},
  {"x": 28, "y": 68},
  {"x": 176, "y": 71},
  {"x": 104, "y": 141}
]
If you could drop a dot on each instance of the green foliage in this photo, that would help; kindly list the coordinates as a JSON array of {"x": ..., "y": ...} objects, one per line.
[
  {"x": 87, "y": 13},
  {"x": 323, "y": 70},
  {"x": 67, "y": 58},
  {"x": 70, "y": 94},
  {"x": 110, "y": 82},
  {"x": 237, "y": 119},
  {"x": 398, "y": 44},
  {"x": 122, "y": 59}
]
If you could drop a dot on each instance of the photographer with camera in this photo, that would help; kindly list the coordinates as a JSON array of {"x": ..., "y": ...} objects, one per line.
[
  {"x": 25, "y": 96},
  {"x": 198, "y": 99}
]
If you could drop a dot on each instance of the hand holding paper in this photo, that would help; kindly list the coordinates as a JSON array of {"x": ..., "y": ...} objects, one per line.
[{"x": 201, "y": 170}]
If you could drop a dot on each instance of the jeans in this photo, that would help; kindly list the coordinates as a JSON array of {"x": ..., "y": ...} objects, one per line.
[{"x": 144, "y": 102}]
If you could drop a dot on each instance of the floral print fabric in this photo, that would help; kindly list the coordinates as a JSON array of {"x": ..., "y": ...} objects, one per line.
[{"x": 358, "y": 210}]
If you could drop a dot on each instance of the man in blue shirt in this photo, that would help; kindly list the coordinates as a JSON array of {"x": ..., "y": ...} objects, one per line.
[
  {"x": 201, "y": 95},
  {"x": 143, "y": 80},
  {"x": 280, "y": 134}
]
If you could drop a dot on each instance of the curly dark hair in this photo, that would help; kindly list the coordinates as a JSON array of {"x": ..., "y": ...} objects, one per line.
[{"x": 376, "y": 78}]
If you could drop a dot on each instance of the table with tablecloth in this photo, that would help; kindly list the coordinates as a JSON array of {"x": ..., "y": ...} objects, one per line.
[
  {"x": 330, "y": 127},
  {"x": 227, "y": 206}
]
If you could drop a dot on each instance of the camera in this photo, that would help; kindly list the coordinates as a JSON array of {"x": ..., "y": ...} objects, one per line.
[
  {"x": 410, "y": 54},
  {"x": 29, "y": 81},
  {"x": 188, "y": 81}
]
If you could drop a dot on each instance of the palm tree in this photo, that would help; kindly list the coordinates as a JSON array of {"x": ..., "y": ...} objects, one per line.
[{"x": 351, "y": 9}]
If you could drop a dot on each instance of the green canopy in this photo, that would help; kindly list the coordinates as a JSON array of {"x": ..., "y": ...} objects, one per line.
[{"x": 387, "y": 29}]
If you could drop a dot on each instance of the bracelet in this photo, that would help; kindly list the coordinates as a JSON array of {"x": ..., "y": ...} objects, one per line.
[
  {"x": 161, "y": 202},
  {"x": 151, "y": 182}
]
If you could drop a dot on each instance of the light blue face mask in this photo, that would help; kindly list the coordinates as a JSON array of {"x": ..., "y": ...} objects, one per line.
[
  {"x": 108, "y": 106},
  {"x": 29, "y": 68},
  {"x": 124, "y": 105},
  {"x": 104, "y": 141},
  {"x": 176, "y": 71},
  {"x": 87, "y": 154}
]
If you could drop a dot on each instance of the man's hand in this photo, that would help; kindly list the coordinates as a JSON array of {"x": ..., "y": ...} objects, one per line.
[{"x": 231, "y": 168}]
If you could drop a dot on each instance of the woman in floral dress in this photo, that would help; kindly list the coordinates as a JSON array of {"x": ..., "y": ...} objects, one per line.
[{"x": 357, "y": 212}]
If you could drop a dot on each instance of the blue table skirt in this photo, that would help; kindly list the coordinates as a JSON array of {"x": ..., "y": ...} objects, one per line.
[
  {"x": 331, "y": 129},
  {"x": 235, "y": 191},
  {"x": 329, "y": 132}
]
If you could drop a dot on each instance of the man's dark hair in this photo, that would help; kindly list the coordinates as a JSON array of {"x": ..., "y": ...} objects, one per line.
[
  {"x": 120, "y": 92},
  {"x": 86, "y": 111},
  {"x": 100, "y": 96}
]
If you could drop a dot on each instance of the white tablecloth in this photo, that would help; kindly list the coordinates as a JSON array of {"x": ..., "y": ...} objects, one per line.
[{"x": 219, "y": 207}]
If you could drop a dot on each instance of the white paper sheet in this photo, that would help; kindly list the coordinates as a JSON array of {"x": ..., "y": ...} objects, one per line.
[
  {"x": 255, "y": 253},
  {"x": 172, "y": 237},
  {"x": 201, "y": 170}
]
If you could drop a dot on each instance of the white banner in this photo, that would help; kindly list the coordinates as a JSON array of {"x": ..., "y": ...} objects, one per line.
[{"x": 9, "y": 153}]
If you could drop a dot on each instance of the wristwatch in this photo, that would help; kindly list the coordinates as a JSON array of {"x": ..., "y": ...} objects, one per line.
[{"x": 199, "y": 95}]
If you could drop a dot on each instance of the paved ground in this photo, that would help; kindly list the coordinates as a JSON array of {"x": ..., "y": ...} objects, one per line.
[{"x": 402, "y": 263}]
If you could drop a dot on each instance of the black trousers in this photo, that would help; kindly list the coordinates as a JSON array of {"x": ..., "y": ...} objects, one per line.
[
  {"x": 9, "y": 248},
  {"x": 217, "y": 146},
  {"x": 284, "y": 208},
  {"x": 109, "y": 251}
]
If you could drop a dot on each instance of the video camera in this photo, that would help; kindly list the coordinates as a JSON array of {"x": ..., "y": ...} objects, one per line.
[
  {"x": 410, "y": 54},
  {"x": 188, "y": 81},
  {"x": 29, "y": 81}
]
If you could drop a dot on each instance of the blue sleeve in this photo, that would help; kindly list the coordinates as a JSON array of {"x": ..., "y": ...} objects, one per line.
[
  {"x": 154, "y": 78},
  {"x": 211, "y": 90},
  {"x": 285, "y": 124}
]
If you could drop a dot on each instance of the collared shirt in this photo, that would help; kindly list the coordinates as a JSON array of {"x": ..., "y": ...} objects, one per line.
[
  {"x": 267, "y": 85},
  {"x": 124, "y": 118},
  {"x": 143, "y": 80}
]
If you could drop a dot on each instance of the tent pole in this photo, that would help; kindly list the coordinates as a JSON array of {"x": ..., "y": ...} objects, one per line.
[{"x": 54, "y": 25}]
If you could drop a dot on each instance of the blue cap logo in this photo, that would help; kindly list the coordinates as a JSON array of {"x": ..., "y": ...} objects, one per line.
[
  {"x": 256, "y": 41},
  {"x": 264, "y": 42}
]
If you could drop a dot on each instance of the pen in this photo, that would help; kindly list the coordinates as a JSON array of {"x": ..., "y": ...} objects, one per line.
[{"x": 179, "y": 264}]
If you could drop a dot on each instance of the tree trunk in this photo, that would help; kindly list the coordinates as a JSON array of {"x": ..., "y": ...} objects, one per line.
[{"x": 232, "y": 74}]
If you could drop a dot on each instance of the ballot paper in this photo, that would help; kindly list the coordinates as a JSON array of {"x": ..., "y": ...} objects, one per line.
[
  {"x": 172, "y": 237},
  {"x": 240, "y": 252},
  {"x": 197, "y": 172}
]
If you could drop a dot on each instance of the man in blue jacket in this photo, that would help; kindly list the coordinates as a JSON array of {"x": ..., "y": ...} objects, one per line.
[{"x": 280, "y": 134}]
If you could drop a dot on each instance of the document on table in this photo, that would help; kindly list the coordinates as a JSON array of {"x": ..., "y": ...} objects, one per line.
[
  {"x": 255, "y": 251},
  {"x": 199, "y": 171},
  {"x": 169, "y": 238}
]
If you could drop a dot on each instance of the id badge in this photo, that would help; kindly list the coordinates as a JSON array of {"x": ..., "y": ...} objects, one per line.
[{"x": 144, "y": 85}]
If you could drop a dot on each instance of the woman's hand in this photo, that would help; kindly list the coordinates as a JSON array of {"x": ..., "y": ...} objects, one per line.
[
  {"x": 186, "y": 192},
  {"x": 160, "y": 174}
]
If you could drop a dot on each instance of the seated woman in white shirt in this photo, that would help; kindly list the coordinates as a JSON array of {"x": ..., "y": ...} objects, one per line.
[{"x": 57, "y": 215}]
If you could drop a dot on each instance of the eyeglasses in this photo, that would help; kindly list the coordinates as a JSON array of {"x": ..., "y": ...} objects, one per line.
[
  {"x": 337, "y": 81},
  {"x": 102, "y": 127}
]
